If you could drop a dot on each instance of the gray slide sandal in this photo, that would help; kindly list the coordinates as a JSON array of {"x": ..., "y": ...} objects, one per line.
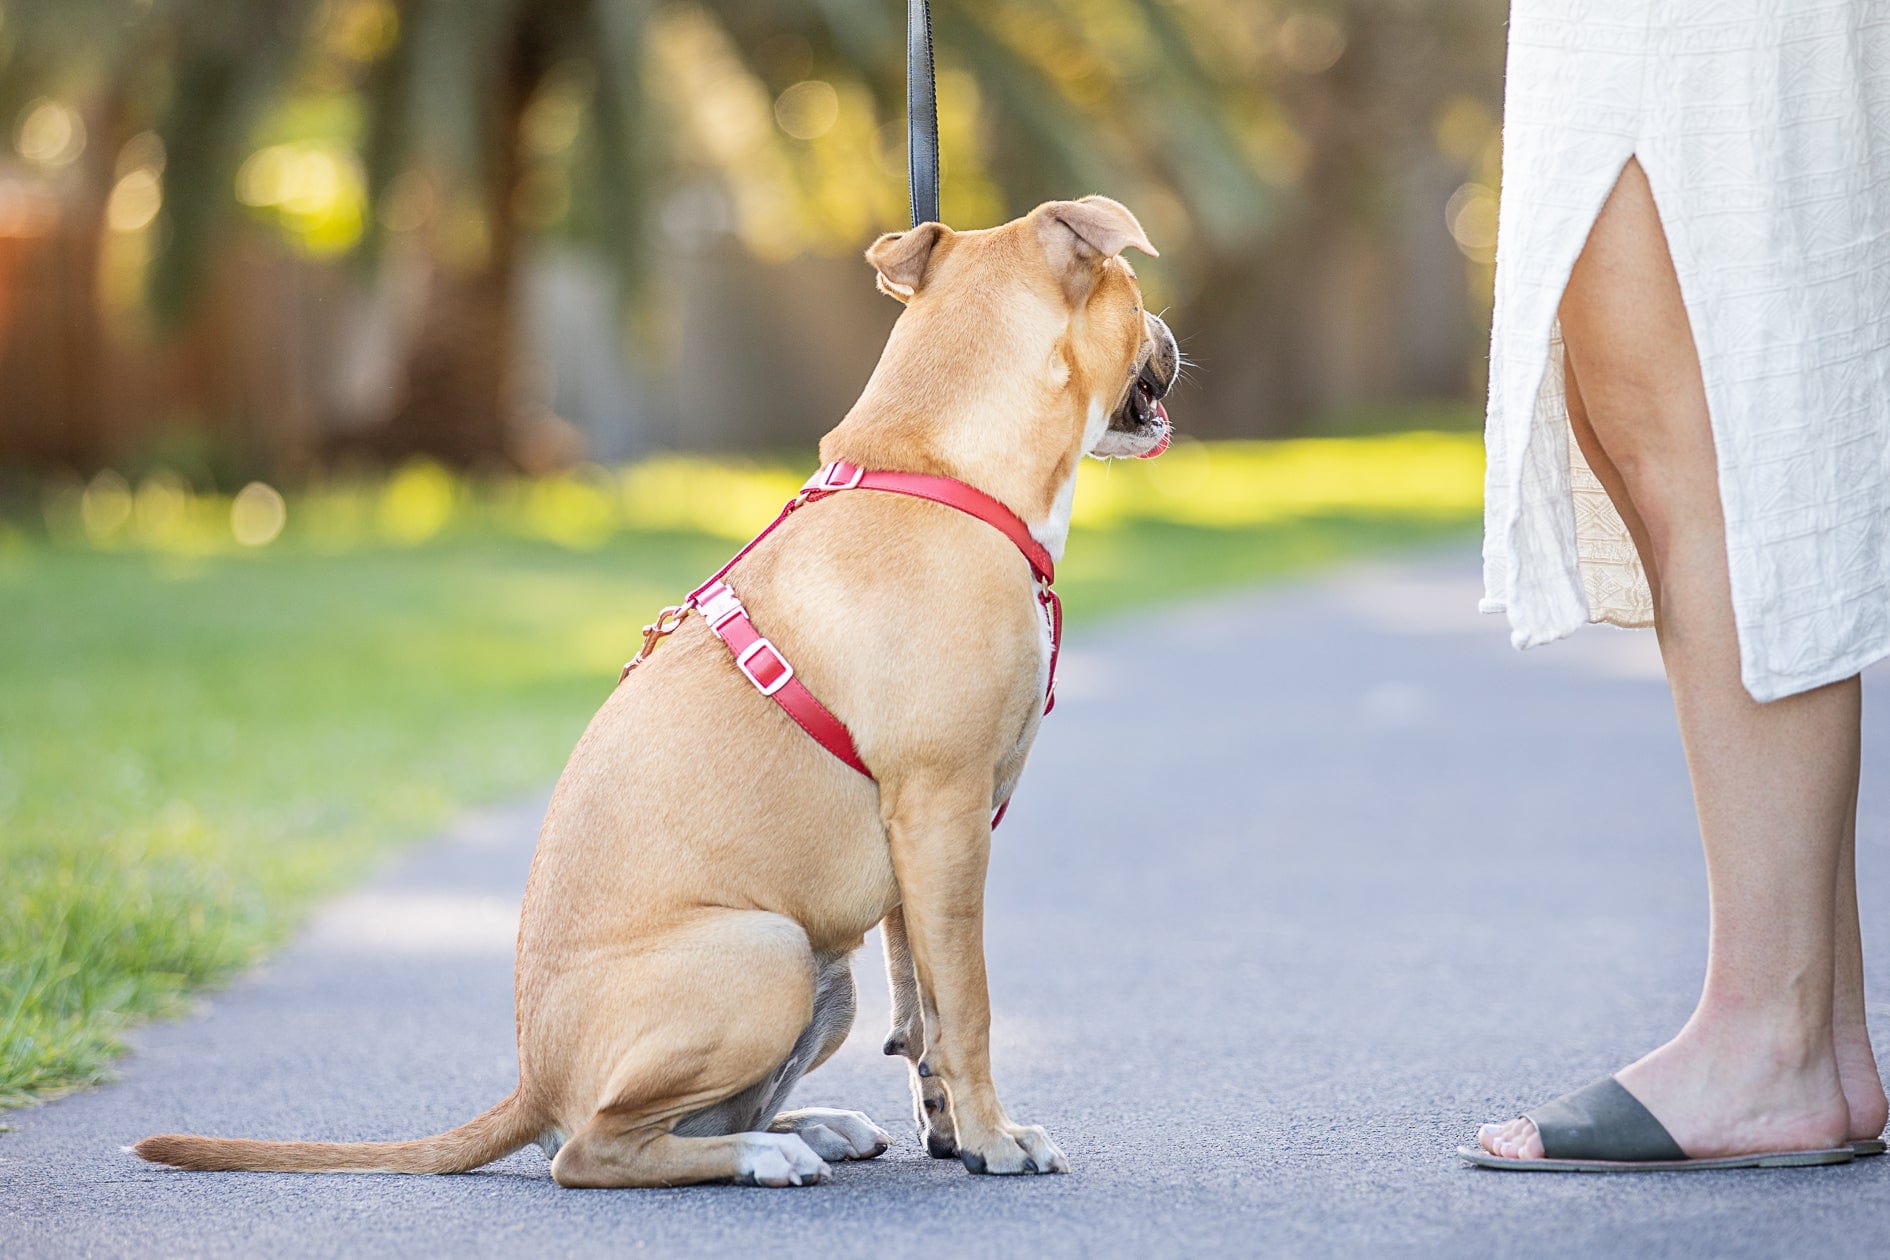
[
  {"x": 1603, "y": 1128},
  {"x": 1867, "y": 1146}
]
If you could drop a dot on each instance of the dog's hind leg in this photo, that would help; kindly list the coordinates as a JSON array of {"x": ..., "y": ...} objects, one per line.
[
  {"x": 932, "y": 1106},
  {"x": 834, "y": 1134},
  {"x": 721, "y": 1003},
  {"x": 605, "y": 1154}
]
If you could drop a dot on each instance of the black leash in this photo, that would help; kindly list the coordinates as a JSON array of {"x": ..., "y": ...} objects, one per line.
[{"x": 921, "y": 114}]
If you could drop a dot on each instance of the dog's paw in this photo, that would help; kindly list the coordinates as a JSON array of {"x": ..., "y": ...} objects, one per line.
[
  {"x": 932, "y": 1110},
  {"x": 780, "y": 1159},
  {"x": 1017, "y": 1148},
  {"x": 937, "y": 1129},
  {"x": 835, "y": 1135}
]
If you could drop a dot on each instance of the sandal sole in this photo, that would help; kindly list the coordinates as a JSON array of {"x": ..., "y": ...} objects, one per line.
[{"x": 1771, "y": 1159}]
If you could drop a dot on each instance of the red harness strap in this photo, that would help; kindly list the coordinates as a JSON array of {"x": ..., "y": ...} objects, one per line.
[{"x": 763, "y": 664}]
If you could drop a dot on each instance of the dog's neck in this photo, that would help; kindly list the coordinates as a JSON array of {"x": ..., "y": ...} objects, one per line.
[{"x": 1005, "y": 422}]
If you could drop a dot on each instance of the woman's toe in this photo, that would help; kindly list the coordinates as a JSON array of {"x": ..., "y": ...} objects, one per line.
[
  {"x": 1525, "y": 1142},
  {"x": 1517, "y": 1139}
]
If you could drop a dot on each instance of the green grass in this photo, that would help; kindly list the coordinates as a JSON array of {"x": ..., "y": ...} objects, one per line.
[{"x": 197, "y": 740}]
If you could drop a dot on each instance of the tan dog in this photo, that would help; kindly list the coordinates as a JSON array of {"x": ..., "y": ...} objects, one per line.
[{"x": 706, "y": 870}]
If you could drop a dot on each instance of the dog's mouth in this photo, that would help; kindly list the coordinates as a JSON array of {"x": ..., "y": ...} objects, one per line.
[
  {"x": 1139, "y": 428},
  {"x": 1142, "y": 410}
]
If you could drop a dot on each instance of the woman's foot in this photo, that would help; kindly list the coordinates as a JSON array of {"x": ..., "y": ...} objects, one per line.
[
  {"x": 1724, "y": 1092},
  {"x": 1863, "y": 1086}
]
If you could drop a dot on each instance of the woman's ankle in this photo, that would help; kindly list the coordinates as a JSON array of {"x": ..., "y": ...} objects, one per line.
[
  {"x": 1863, "y": 1084},
  {"x": 1774, "y": 1034}
]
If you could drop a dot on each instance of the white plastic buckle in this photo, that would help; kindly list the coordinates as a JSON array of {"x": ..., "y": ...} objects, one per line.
[
  {"x": 839, "y": 475},
  {"x": 748, "y": 654},
  {"x": 718, "y": 606}
]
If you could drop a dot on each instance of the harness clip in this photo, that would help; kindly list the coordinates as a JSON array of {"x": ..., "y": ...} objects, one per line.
[
  {"x": 718, "y": 605},
  {"x": 667, "y": 622},
  {"x": 839, "y": 475}
]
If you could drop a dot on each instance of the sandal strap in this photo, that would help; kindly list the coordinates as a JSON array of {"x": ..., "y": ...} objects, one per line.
[{"x": 1603, "y": 1121}]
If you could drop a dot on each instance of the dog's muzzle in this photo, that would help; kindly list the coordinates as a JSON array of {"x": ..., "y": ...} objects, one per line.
[{"x": 1141, "y": 417}]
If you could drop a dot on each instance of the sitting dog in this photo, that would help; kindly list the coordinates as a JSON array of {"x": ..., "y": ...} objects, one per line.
[{"x": 706, "y": 869}]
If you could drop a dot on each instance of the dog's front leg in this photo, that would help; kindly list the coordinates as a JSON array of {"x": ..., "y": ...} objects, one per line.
[
  {"x": 941, "y": 845},
  {"x": 932, "y": 1106}
]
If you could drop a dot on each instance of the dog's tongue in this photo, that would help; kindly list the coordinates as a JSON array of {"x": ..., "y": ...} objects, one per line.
[{"x": 1161, "y": 413}]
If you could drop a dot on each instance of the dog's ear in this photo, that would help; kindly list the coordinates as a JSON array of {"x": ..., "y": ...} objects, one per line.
[
  {"x": 1079, "y": 236},
  {"x": 902, "y": 258}
]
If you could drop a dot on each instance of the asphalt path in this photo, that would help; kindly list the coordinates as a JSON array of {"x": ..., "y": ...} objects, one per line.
[{"x": 1301, "y": 885}]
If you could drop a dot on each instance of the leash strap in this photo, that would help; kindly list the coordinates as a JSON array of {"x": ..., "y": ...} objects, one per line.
[{"x": 921, "y": 114}]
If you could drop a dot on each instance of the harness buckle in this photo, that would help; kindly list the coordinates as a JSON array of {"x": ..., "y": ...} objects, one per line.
[
  {"x": 718, "y": 606},
  {"x": 764, "y": 666},
  {"x": 839, "y": 475}
]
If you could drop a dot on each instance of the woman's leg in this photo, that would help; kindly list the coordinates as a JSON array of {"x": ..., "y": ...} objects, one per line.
[
  {"x": 1610, "y": 477},
  {"x": 1857, "y": 1064},
  {"x": 1756, "y": 1066}
]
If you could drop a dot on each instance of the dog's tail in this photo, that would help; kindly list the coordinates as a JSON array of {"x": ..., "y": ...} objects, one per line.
[{"x": 500, "y": 1131}]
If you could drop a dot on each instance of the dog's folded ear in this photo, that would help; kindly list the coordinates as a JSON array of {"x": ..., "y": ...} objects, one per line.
[
  {"x": 902, "y": 258},
  {"x": 1079, "y": 236}
]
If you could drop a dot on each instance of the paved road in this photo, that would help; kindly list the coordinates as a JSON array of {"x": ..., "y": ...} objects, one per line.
[{"x": 1301, "y": 885}]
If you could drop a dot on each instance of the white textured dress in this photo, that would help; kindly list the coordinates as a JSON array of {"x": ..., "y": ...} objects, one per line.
[{"x": 1764, "y": 130}]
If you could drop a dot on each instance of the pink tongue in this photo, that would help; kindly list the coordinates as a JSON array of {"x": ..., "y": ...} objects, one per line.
[{"x": 1161, "y": 413}]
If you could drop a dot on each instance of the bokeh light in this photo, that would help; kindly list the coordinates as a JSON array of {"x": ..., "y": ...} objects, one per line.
[
  {"x": 1311, "y": 42},
  {"x": 1471, "y": 216},
  {"x": 135, "y": 201},
  {"x": 807, "y": 110},
  {"x": 105, "y": 507},
  {"x": 317, "y": 192},
  {"x": 257, "y": 515},
  {"x": 50, "y": 134}
]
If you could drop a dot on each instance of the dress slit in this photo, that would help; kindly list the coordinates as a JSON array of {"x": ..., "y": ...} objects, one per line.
[{"x": 1764, "y": 132}]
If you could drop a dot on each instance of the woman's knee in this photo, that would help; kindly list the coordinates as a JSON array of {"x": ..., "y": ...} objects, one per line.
[
  {"x": 1629, "y": 340},
  {"x": 1645, "y": 408}
]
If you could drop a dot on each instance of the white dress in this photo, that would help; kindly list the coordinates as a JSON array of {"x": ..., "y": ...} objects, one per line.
[{"x": 1764, "y": 130}]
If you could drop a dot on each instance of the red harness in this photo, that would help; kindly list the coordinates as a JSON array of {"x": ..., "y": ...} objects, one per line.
[{"x": 764, "y": 665}]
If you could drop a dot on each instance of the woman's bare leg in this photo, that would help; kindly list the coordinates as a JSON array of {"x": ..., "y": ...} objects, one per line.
[
  {"x": 1756, "y": 1066},
  {"x": 1857, "y": 1064}
]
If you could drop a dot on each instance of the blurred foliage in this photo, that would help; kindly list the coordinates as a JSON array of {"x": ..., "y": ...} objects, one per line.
[
  {"x": 344, "y": 121},
  {"x": 1220, "y": 485},
  {"x": 223, "y": 707},
  {"x": 1305, "y": 166}
]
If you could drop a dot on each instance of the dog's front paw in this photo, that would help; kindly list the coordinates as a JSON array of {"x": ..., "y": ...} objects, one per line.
[
  {"x": 1014, "y": 1148},
  {"x": 940, "y": 1143},
  {"x": 835, "y": 1135},
  {"x": 780, "y": 1159},
  {"x": 932, "y": 1107}
]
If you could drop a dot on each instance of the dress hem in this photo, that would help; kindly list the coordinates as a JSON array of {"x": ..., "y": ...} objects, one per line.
[{"x": 1776, "y": 686}]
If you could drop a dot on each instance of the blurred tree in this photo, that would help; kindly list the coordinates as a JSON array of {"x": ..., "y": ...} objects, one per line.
[
  {"x": 1279, "y": 150},
  {"x": 451, "y": 92},
  {"x": 1356, "y": 96}
]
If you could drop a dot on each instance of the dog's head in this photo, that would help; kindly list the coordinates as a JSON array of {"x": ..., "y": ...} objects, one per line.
[{"x": 1048, "y": 298}]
